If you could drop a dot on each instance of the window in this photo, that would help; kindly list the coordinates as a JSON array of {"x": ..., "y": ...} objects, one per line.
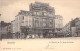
[
  {"x": 51, "y": 23},
  {"x": 23, "y": 18},
  {"x": 44, "y": 25},
  {"x": 44, "y": 20},
  {"x": 44, "y": 13},
  {"x": 50, "y": 14},
  {"x": 37, "y": 13},
  {"x": 26, "y": 22},
  {"x": 37, "y": 22},
  {"x": 30, "y": 20}
]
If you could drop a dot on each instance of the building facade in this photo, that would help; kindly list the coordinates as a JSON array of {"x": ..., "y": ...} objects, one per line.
[
  {"x": 23, "y": 19},
  {"x": 58, "y": 23},
  {"x": 67, "y": 29},
  {"x": 5, "y": 30},
  {"x": 78, "y": 28},
  {"x": 38, "y": 22},
  {"x": 70, "y": 28}
]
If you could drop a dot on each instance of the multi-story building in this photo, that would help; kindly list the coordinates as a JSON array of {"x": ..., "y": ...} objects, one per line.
[
  {"x": 39, "y": 21},
  {"x": 70, "y": 28},
  {"x": 78, "y": 28},
  {"x": 23, "y": 19},
  {"x": 13, "y": 29},
  {"x": 5, "y": 30},
  {"x": 58, "y": 23},
  {"x": 67, "y": 29},
  {"x": 43, "y": 19},
  {"x": 73, "y": 26}
]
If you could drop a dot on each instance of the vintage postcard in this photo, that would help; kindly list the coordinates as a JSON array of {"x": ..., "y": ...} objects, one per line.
[{"x": 39, "y": 25}]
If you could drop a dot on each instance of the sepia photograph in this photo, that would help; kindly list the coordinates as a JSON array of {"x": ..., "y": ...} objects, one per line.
[{"x": 39, "y": 25}]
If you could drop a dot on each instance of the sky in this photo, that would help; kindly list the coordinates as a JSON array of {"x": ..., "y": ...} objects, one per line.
[{"x": 68, "y": 9}]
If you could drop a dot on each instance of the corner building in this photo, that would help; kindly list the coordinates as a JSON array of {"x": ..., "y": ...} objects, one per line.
[
  {"x": 43, "y": 18},
  {"x": 38, "y": 22}
]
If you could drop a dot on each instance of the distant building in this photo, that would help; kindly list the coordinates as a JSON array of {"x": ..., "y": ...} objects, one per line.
[
  {"x": 4, "y": 32},
  {"x": 67, "y": 29},
  {"x": 78, "y": 28},
  {"x": 73, "y": 26},
  {"x": 70, "y": 28},
  {"x": 5, "y": 29}
]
